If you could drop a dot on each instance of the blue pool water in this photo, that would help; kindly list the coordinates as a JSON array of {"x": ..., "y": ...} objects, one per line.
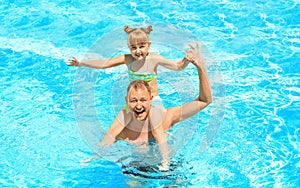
[{"x": 252, "y": 127}]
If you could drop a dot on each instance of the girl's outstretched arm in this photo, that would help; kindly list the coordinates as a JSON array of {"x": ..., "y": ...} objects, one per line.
[
  {"x": 170, "y": 64},
  {"x": 100, "y": 64}
]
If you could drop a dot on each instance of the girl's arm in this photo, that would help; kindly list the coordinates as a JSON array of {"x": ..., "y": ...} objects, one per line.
[
  {"x": 100, "y": 64},
  {"x": 170, "y": 64}
]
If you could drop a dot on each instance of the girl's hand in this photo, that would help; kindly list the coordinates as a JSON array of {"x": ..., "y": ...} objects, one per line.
[
  {"x": 73, "y": 62},
  {"x": 194, "y": 55}
]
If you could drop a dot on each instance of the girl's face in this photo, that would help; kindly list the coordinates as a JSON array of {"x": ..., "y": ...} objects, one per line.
[{"x": 139, "y": 51}]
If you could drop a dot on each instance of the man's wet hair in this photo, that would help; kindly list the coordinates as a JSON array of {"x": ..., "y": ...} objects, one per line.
[{"x": 139, "y": 84}]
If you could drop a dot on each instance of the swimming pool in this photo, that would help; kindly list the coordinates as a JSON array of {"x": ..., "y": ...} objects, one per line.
[{"x": 255, "y": 46}]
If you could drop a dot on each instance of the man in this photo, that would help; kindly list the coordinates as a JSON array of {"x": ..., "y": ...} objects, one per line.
[{"x": 139, "y": 121}]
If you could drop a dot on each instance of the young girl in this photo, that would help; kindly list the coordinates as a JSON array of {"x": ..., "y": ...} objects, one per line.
[{"x": 140, "y": 63}]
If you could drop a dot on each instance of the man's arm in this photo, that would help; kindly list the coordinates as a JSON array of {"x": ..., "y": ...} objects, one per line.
[
  {"x": 180, "y": 113},
  {"x": 110, "y": 138},
  {"x": 115, "y": 129}
]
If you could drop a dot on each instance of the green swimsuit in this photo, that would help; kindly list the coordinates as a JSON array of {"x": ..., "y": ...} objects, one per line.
[{"x": 145, "y": 75}]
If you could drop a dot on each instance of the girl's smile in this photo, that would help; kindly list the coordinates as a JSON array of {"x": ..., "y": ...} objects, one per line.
[{"x": 139, "y": 51}]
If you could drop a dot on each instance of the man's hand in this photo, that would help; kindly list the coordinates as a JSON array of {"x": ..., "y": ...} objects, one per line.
[
  {"x": 194, "y": 55},
  {"x": 85, "y": 161}
]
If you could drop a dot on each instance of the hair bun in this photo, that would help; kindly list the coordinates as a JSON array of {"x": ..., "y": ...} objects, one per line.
[
  {"x": 148, "y": 29},
  {"x": 127, "y": 29}
]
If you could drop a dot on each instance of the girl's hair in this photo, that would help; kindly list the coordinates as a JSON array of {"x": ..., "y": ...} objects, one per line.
[
  {"x": 138, "y": 35},
  {"x": 138, "y": 84}
]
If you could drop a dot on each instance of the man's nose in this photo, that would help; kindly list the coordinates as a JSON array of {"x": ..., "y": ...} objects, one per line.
[{"x": 139, "y": 104}]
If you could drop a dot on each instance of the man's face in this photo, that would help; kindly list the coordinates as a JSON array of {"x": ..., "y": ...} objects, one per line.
[
  {"x": 139, "y": 51},
  {"x": 139, "y": 103}
]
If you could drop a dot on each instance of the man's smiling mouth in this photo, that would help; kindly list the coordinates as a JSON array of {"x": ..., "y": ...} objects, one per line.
[{"x": 139, "y": 111}]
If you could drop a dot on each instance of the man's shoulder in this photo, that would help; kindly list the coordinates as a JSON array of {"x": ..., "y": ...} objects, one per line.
[{"x": 124, "y": 116}]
